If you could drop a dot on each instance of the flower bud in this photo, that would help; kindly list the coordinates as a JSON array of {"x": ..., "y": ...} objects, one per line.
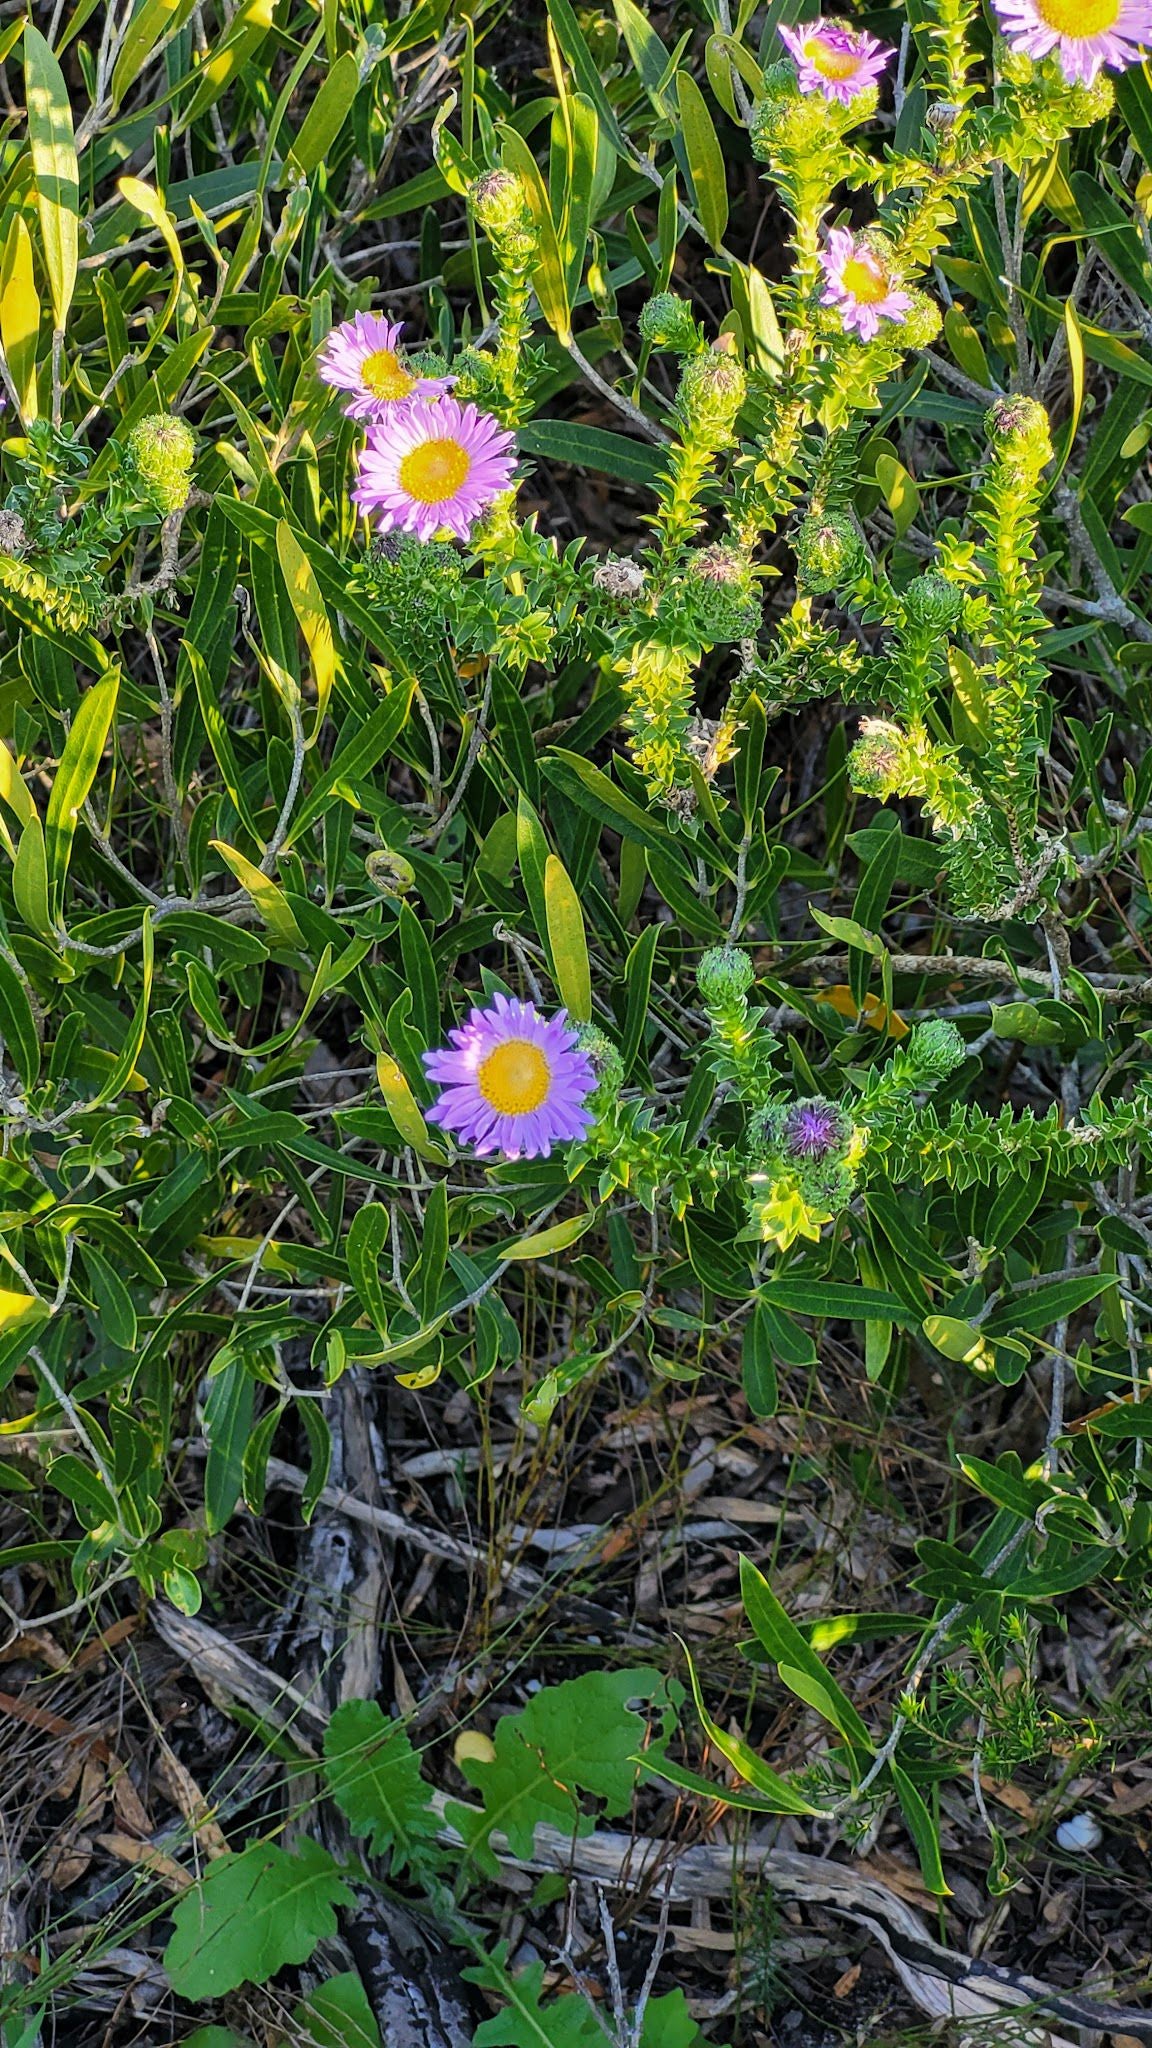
[
  {"x": 13, "y": 534},
  {"x": 920, "y": 321},
  {"x": 1018, "y": 430},
  {"x": 829, "y": 552},
  {"x": 666, "y": 322},
  {"x": 720, "y": 580},
  {"x": 935, "y": 1048},
  {"x": 930, "y": 600},
  {"x": 724, "y": 976},
  {"x": 876, "y": 761},
  {"x": 607, "y": 1065},
  {"x": 159, "y": 458},
  {"x": 501, "y": 206},
  {"x": 712, "y": 391}
]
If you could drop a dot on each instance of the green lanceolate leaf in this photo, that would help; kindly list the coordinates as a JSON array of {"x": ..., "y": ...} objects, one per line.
[
  {"x": 567, "y": 941},
  {"x": 705, "y": 159},
  {"x": 54, "y": 171},
  {"x": 74, "y": 778}
]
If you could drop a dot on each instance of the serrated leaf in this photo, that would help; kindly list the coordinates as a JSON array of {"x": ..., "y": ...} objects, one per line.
[
  {"x": 250, "y": 1915},
  {"x": 374, "y": 1777}
]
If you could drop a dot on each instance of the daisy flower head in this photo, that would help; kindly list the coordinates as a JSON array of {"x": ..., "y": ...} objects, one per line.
[
  {"x": 433, "y": 464},
  {"x": 512, "y": 1081},
  {"x": 858, "y": 281},
  {"x": 1087, "y": 35},
  {"x": 362, "y": 358},
  {"x": 834, "y": 59}
]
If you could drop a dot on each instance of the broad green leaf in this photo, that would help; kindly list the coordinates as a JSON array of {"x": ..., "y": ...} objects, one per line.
[
  {"x": 337, "y": 2014},
  {"x": 833, "y": 1298},
  {"x": 326, "y": 115},
  {"x": 966, "y": 346},
  {"x": 567, "y": 941},
  {"x": 758, "y": 1367},
  {"x": 374, "y": 1777},
  {"x": 74, "y": 778},
  {"x": 53, "y": 148},
  {"x": 252, "y": 1914},
  {"x": 584, "y": 447},
  {"x": 706, "y": 164},
  {"x": 849, "y": 932},
  {"x": 20, "y": 314}
]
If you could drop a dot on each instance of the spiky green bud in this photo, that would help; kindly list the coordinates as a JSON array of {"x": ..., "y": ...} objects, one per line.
[
  {"x": 935, "y": 1048},
  {"x": 712, "y": 390},
  {"x": 930, "y": 600},
  {"x": 667, "y": 322},
  {"x": 501, "y": 206},
  {"x": 724, "y": 976},
  {"x": 829, "y": 552},
  {"x": 158, "y": 458}
]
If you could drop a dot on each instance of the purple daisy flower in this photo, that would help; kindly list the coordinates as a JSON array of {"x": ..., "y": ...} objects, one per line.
[
  {"x": 1086, "y": 34},
  {"x": 512, "y": 1081},
  {"x": 815, "y": 1130},
  {"x": 859, "y": 283},
  {"x": 362, "y": 358},
  {"x": 835, "y": 59},
  {"x": 427, "y": 466}
]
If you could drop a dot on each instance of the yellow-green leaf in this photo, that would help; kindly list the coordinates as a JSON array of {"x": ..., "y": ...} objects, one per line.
[
  {"x": 900, "y": 493},
  {"x": 20, "y": 314},
  {"x": 567, "y": 942},
  {"x": 30, "y": 879},
  {"x": 705, "y": 159},
  {"x": 311, "y": 615},
  {"x": 266, "y": 894},
  {"x": 542, "y": 1242},
  {"x": 153, "y": 21},
  {"x": 147, "y": 202},
  {"x": 403, "y": 1107},
  {"x": 548, "y": 276},
  {"x": 53, "y": 146},
  {"x": 74, "y": 778}
]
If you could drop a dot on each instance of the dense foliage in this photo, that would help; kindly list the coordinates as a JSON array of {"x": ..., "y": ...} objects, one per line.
[{"x": 604, "y": 834}]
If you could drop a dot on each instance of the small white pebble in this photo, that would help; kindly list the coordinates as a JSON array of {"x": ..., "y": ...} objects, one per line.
[{"x": 1081, "y": 1834}]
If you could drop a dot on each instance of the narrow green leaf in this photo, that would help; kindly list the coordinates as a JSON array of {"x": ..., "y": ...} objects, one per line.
[
  {"x": 326, "y": 115},
  {"x": 53, "y": 148},
  {"x": 74, "y": 778},
  {"x": 20, "y": 314},
  {"x": 130, "y": 1051},
  {"x": 705, "y": 159},
  {"x": 18, "y": 1025},
  {"x": 567, "y": 941}
]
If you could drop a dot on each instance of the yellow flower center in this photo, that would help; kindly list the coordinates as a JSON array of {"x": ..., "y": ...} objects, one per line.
[
  {"x": 383, "y": 374},
  {"x": 830, "y": 63},
  {"x": 515, "y": 1077},
  {"x": 1079, "y": 18},
  {"x": 865, "y": 280},
  {"x": 435, "y": 470}
]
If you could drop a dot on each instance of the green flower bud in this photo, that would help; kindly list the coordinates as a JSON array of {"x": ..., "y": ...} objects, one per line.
[
  {"x": 711, "y": 392},
  {"x": 724, "y": 977},
  {"x": 1084, "y": 105},
  {"x": 667, "y": 322},
  {"x": 930, "y": 600},
  {"x": 789, "y": 123},
  {"x": 606, "y": 1064},
  {"x": 829, "y": 552},
  {"x": 876, "y": 761},
  {"x": 935, "y": 1048},
  {"x": 500, "y": 204},
  {"x": 921, "y": 321},
  {"x": 158, "y": 458},
  {"x": 1018, "y": 430},
  {"x": 726, "y": 606}
]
